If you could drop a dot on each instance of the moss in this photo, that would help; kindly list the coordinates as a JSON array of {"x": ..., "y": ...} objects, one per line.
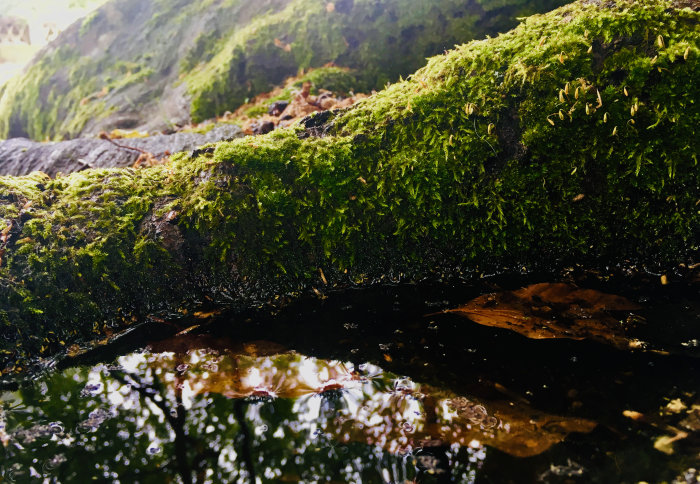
[
  {"x": 87, "y": 20},
  {"x": 239, "y": 49},
  {"x": 466, "y": 166},
  {"x": 340, "y": 81},
  {"x": 381, "y": 44}
]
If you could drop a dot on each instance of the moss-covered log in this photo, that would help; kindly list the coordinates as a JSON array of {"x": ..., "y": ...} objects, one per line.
[
  {"x": 193, "y": 60},
  {"x": 572, "y": 138}
]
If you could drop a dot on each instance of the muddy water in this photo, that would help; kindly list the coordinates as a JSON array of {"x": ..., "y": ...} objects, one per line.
[{"x": 373, "y": 386}]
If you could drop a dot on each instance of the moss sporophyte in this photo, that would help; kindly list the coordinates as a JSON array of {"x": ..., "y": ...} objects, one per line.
[{"x": 571, "y": 138}]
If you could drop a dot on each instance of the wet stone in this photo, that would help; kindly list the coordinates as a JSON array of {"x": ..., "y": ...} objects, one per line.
[{"x": 277, "y": 107}]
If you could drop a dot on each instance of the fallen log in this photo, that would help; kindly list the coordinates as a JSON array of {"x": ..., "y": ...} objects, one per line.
[{"x": 572, "y": 138}]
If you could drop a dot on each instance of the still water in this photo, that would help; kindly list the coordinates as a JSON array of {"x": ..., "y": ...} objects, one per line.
[{"x": 375, "y": 386}]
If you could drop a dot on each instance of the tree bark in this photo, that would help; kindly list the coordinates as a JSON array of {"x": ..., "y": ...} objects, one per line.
[{"x": 572, "y": 139}]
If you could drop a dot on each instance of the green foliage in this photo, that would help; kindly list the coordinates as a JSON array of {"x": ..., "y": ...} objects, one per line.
[
  {"x": 381, "y": 44},
  {"x": 339, "y": 81},
  {"x": 571, "y": 139},
  {"x": 238, "y": 50}
]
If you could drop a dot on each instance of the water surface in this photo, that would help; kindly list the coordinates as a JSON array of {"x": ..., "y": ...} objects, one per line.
[{"x": 365, "y": 387}]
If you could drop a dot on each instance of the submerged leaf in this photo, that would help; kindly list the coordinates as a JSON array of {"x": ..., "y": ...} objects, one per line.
[{"x": 553, "y": 310}]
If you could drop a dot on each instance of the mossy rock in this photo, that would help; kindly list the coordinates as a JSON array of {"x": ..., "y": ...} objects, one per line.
[
  {"x": 569, "y": 140},
  {"x": 150, "y": 64}
]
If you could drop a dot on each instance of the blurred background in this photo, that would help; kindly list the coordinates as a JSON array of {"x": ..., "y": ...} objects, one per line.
[{"x": 27, "y": 26}]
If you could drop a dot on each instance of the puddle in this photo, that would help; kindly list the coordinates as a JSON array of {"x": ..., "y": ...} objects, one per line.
[{"x": 366, "y": 388}]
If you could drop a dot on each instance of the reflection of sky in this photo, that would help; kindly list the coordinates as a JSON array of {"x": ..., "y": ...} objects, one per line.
[{"x": 300, "y": 412}]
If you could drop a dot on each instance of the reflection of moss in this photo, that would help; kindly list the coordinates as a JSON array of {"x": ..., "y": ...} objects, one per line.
[{"x": 466, "y": 166}]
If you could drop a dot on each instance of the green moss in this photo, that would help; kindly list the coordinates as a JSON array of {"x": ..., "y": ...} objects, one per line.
[
  {"x": 464, "y": 167},
  {"x": 381, "y": 45},
  {"x": 339, "y": 81},
  {"x": 87, "y": 21},
  {"x": 243, "y": 49}
]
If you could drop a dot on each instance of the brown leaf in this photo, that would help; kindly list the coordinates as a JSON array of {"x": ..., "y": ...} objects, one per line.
[
  {"x": 553, "y": 310},
  {"x": 282, "y": 45}
]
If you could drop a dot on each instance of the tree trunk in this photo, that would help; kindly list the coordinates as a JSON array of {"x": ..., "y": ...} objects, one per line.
[{"x": 572, "y": 139}]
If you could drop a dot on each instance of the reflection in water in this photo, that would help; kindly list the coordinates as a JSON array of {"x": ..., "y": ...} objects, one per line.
[
  {"x": 480, "y": 405},
  {"x": 206, "y": 416}
]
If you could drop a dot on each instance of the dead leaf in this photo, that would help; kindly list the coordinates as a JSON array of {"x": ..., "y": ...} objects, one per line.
[
  {"x": 205, "y": 314},
  {"x": 665, "y": 442},
  {"x": 283, "y": 45},
  {"x": 553, "y": 310},
  {"x": 634, "y": 415},
  {"x": 676, "y": 406}
]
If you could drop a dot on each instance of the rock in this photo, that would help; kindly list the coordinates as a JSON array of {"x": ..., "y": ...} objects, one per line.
[
  {"x": 20, "y": 156},
  {"x": 262, "y": 127},
  {"x": 277, "y": 107}
]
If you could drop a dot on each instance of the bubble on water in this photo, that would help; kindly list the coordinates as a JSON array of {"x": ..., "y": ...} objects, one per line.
[
  {"x": 53, "y": 463},
  {"x": 173, "y": 413},
  {"x": 154, "y": 449},
  {"x": 384, "y": 346},
  {"x": 10, "y": 475},
  {"x": 261, "y": 429},
  {"x": 30, "y": 434},
  {"x": 91, "y": 389},
  {"x": 94, "y": 420},
  {"x": 408, "y": 427},
  {"x": 183, "y": 367},
  {"x": 350, "y": 326}
]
